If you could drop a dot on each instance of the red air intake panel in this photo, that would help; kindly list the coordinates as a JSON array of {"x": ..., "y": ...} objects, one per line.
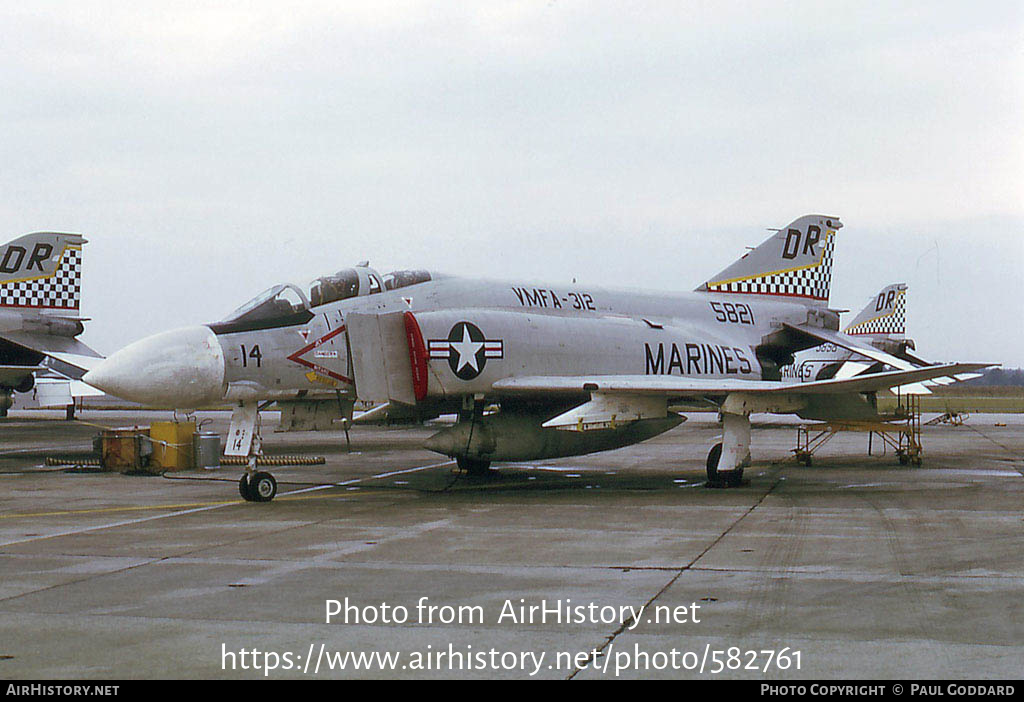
[{"x": 417, "y": 356}]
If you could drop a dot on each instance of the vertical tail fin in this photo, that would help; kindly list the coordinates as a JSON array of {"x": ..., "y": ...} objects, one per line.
[
  {"x": 42, "y": 271},
  {"x": 796, "y": 262},
  {"x": 885, "y": 316}
]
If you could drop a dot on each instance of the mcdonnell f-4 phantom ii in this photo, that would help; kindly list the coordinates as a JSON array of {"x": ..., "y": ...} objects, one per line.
[
  {"x": 882, "y": 324},
  {"x": 40, "y": 291},
  {"x": 532, "y": 371}
]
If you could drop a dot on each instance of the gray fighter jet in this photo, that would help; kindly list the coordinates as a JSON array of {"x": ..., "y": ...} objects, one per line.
[
  {"x": 882, "y": 324},
  {"x": 40, "y": 291},
  {"x": 533, "y": 371}
]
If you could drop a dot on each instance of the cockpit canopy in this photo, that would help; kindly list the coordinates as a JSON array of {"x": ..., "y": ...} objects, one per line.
[
  {"x": 287, "y": 304},
  {"x": 346, "y": 283},
  {"x": 361, "y": 280},
  {"x": 403, "y": 279}
]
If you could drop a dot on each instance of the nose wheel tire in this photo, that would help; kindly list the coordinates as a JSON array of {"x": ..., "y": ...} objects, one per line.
[
  {"x": 263, "y": 487},
  {"x": 731, "y": 478},
  {"x": 243, "y": 488}
]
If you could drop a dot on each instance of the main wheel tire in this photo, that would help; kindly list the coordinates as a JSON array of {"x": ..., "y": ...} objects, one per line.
[
  {"x": 244, "y": 489},
  {"x": 263, "y": 486},
  {"x": 729, "y": 478},
  {"x": 473, "y": 466},
  {"x": 714, "y": 456}
]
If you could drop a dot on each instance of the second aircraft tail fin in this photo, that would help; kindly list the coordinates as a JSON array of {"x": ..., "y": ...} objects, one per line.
[
  {"x": 885, "y": 315},
  {"x": 42, "y": 271}
]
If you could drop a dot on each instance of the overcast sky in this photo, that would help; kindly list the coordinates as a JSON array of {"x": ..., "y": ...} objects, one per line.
[{"x": 209, "y": 150}]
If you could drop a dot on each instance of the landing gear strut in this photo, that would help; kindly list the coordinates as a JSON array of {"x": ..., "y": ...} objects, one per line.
[{"x": 727, "y": 459}]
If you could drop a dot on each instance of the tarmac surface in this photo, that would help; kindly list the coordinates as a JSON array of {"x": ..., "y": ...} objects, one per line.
[{"x": 866, "y": 568}]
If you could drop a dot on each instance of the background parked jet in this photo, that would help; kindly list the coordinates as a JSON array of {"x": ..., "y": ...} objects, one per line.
[
  {"x": 572, "y": 369},
  {"x": 882, "y": 324},
  {"x": 40, "y": 293}
]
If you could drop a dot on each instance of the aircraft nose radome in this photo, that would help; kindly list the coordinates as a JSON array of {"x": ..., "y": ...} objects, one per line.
[{"x": 179, "y": 369}]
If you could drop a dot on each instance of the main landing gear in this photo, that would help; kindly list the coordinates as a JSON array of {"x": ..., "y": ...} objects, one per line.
[
  {"x": 728, "y": 458},
  {"x": 732, "y": 478}
]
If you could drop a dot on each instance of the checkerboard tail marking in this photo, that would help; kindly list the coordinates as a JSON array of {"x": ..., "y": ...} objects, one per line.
[
  {"x": 796, "y": 262},
  {"x": 59, "y": 291},
  {"x": 885, "y": 315}
]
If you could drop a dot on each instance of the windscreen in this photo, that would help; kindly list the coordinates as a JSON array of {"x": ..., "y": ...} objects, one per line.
[{"x": 277, "y": 302}]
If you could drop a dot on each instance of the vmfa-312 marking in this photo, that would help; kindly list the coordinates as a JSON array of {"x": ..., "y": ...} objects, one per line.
[{"x": 570, "y": 369}]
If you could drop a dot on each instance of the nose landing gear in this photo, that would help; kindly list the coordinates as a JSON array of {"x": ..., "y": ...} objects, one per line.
[
  {"x": 244, "y": 440},
  {"x": 258, "y": 487}
]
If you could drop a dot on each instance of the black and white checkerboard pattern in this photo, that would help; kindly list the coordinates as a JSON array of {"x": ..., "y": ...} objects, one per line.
[
  {"x": 812, "y": 283},
  {"x": 894, "y": 322},
  {"x": 60, "y": 291}
]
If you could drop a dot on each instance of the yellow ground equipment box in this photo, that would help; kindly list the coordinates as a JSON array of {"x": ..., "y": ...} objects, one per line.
[{"x": 172, "y": 444}]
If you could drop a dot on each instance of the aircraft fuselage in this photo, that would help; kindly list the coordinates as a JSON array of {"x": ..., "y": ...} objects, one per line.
[{"x": 474, "y": 332}]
